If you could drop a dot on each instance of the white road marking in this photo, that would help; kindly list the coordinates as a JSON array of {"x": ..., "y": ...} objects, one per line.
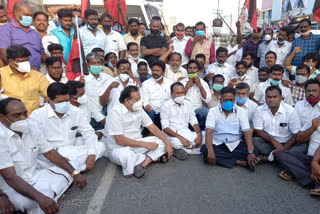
[{"x": 101, "y": 193}]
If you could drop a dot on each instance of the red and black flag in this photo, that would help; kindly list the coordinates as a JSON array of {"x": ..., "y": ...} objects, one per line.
[
  {"x": 85, "y": 4},
  {"x": 251, "y": 6},
  {"x": 10, "y": 4},
  {"x": 112, "y": 8},
  {"x": 316, "y": 11},
  {"x": 73, "y": 69}
]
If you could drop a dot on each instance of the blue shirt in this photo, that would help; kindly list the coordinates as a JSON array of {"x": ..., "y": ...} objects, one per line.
[
  {"x": 142, "y": 80},
  {"x": 64, "y": 40},
  {"x": 310, "y": 45}
]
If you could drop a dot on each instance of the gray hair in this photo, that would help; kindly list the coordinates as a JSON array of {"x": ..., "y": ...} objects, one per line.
[{"x": 92, "y": 56}]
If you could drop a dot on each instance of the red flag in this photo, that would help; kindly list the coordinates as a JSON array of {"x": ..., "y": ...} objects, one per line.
[
  {"x": 73, "y": 69},
  {"x": 10, "y": 4},
  {"x": 251, "y": 6},
  {"x": 85, "y": 4},
  {"x": 112, "y": 7},
  {"x": 316, "y": 11}
]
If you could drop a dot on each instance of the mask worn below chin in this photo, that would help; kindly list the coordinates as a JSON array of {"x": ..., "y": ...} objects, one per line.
[
  {"x": 175, "y": 70},
  {"x": 267, "y": 37},
  {"x": 79, "y": 20},
  {"x": 228, "y": 106},
  {"x": 216, "y": 30},
  {"x": 217, "y": 87},
  {"x": 281, "y": 42},
  {"x": 306, "y": 33},
  {"x": 301, "y": 79},
  {"x": 124, "y": 77},
  {"x": 26, "y": 21},
  {"x": 241, "y": 77},
  {"x": 158, "y": 78},
  {"x": 62, "y": 107},
  {"x": 23, "y": 67},
  {"x": 110, "y": 65},
  {"x": 241, "y": 100},
  {"x": 19, "y": 126},
  {"x": 91, "y": 28},
  {"x": 179, "y": 99},
  {"x": 179, "y": 35},
  {"x": 83, "y": 99},
  {"x": 313, "y": 100},
  {"x": 296, "y": 35},
  {"x": 133, "y": 58},
  {"x": 201, "y": 65},
  {"x": 220, "y": 64},
  {"x": 95, "y": 69},
  {"x": 274, "y": 82},
  {"x": 137, "y": 106}
]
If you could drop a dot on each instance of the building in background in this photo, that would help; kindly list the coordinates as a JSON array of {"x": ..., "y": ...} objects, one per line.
[{"x": 265, "y": 14}]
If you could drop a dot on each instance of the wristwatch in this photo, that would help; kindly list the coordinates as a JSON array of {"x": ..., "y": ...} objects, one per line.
[
  {"x": 75, "y": 172},
  {"x": 3, "y": 195},
  {"x": 250, "y": 152}
]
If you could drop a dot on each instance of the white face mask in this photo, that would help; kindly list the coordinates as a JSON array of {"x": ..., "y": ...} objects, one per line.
[
  {"x": 175, "y": 70},
  {"x": 23, "y": 67},
  {"x": 301, "y": 79},
  {"x": 217, "y": 30},
  {"x": 137, "y": 106},
  {"x": 19, "y": 126},
  {"x": 158, "y": 78},
  {"x": 133, "y": 58},
  {"x": 124, "y": 77},
  {"x": 179, "y": 99},
  {"x": 267, "y": 37},
  {"x": 241, "y": 77},
  {"x": 83, "y": 99},
  {"x": 297, "y": 35}
]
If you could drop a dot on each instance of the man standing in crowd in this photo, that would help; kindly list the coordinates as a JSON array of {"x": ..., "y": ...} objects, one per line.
[
  {"x": 3, "y": 16},
  {"x": 179, "y": 42},
  {"x": 142, "y": 29},
  {"x": 133, "y": 35},
  {"x": 262, "y": 49},
  {"x": 252, "y": 45},
  {"x": 270, "y": 58}
]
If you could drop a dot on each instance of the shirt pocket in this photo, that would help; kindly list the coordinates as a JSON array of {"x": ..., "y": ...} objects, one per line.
[
  {"x": 283, "y": 128},
  {"x": 72, "y": 134}
]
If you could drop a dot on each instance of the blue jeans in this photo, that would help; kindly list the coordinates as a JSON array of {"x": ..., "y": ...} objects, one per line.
[
  {"x": 201, "y": 114},
  {"x": 95, "y": 125},
  {"x": 155, "y": 118}
]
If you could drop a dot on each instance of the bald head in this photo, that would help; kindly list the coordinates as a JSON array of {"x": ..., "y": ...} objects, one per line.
[
  {"x": 22, "y": 14},
  {"x": 19, "y": 5}
]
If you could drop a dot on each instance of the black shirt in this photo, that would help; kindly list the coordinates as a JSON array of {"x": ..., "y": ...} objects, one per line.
[{"x": 151, "y": 42}]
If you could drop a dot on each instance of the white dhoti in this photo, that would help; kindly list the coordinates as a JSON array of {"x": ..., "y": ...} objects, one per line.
[
  {"x": 77, "y": 154},
  {"x": 129, "y": 157},
  {"x": 190, "y": 136},
  {"x": 51, "y": 182}
]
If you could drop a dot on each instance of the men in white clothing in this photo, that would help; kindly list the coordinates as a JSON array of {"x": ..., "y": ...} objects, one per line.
[
  {"x": 220, "y": 67},
  {"x": 180, "y": 42},
  {"x": 110, "y": 92},
  {"x": 134, "y": 59},
  {"x": 54, "y": 69},
  {"x": 311, "y": 104},
  {"x": 239, "y": 53},
  {"x": 174, "y": 70},
  {"x": 251, "y": 71},
  {"x": 275, "y": 125},
  {"x": 60, "y": 122},
  {"x": 176, "y": 114},
  {"x": 275, "y": 79},
  {"x": 125, "y": 146},
  {"x": 241, "y": 75},
  {"x": 29, "y": 189},
  {"x": 155, "y": 91}
]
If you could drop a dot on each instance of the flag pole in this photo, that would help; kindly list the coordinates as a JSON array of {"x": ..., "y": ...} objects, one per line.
[{"x": 79, "y": 45}]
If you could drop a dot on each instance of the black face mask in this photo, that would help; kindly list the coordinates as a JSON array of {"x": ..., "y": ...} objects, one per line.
[
  {"x": 201, "y": 65},
  {"x": 155, "y": 32},
  {"x": 107, "y": 27}
]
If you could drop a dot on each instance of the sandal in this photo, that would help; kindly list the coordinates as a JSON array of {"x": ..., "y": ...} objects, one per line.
[
  {"x": 180, "y": 154},
  {"x": 285, "y": 176},
  {"x": 163, "y": 158}
]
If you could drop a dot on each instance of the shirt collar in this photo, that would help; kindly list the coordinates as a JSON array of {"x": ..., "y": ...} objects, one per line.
[
  {"x": 10, "y": 133},
  {"x": 280, "y": 110},
  {"x": 124, "y": 109},
  {"x": 11, "y": 73},
  {"x": 184, "y": 38},
  {"x": 90, "y": 76},
  {"x": 234, "y": 109},
  {"x": 306, "y": 103},
  {"x": 14, "y": 24},
  {"x": 61, "y": 30}
]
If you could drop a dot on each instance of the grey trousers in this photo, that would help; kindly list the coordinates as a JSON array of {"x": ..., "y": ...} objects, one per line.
[
  {"x": 298, "y": 164},
  {"x": 265, "y": 148}
]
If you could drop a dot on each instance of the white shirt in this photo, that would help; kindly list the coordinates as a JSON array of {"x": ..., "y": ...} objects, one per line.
[
  {"x": 305, "y": 109},
  {"x": 177, "y": 117},
  {"x": 259, "y": 95},
  {"x": 91, "y": 112},
  {"x": 174, "y": 76},
  {"x": 61, "y": 132},
  {"x": 314, "y": 141},
  {"x": 180, "y": 46},
  {"x": 194, "y": 94},
  {"x": 64, "y": 79},
  {"x": 238, "y": 56},
  {"x": 134, "y": 66},
  {"x": 121, "y": 121},
  {"x": 247, "y": 79},
  {"x": 48, "y": 40},
  {"x": 226, "y": 71},
  {"x": 22, "y": 153},
  {"x": 115, "y": 92},
  {"x": 281, "y": 52},
  {"x": 281, "y": 126},
  {"x": 250, "y": 107},
  {"x": 227, "y": 130},
  {"x": 155, "y": 94},
  {"x": 231, "y": 59},
  {"x": 91, "y": 41},
  {"x": 92, "y": 89},
  {"x": 253, "y": 72},
  {"x": 116, "y": 43}
]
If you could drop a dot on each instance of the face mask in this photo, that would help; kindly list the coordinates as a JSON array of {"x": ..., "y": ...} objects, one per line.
[
  {"x": 62, "y": 107},
  {"x": 310, "y": 68},
  {"x": 23, "y": 67},
  {"x": 267, "y": 37},
  {"x": 116, "y": 28},
  {"x": 158, "y": 78},
  {"x": 200, "y": 33},
  {"x": 26, "y": 21},
  {"x": 133, "y": 58},
  {"x": 241, "y": 100},
  {"x": 106, "y": 27},
  {"x": 79, "y": 20},
  {"x": 217, "y": 30},
  {"x": 110, "y": 65},
  {"x": 313, "y": 100},
  {"x": 95, "y": 69},
  {"x": 296, "y": 35},
  {"x": 217, "y": 87},
  {"x": 281, "y": 42},
  {"x": 301, "y": 79},
  {"x": 179, "y": 35},
  {"x": 124, "y": 77},
  {"x": 201, "y": 65},
  {"x": 306, "y": 33},
  {"x": 228, "y": 106},
  {"x": 220, "y": 64},
  {"x": 175, "y": 70},
  {"x": 19, "y": 126},
  {"x": 241, "y": 77},
  {"x": 274, "y": 82},
  {"x": 137, "y": 106},
  {"x": 179, "y": 99},
  {"x": 193, "y": 75},
  {"x": 83, "y": 99},
  {"x": 91, "y": 28}
]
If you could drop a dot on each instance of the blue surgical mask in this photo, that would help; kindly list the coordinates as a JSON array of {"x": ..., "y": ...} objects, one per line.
[
  {"x": 241, "y": 100},
  {"x": 200, "y": 33},
  {"x": 91, "y": 28},
  {"x": 220, "y": 64},
  {"x": 227, "y": 106},
  {"x": 217, "y": 87},
  {"x": 26, "y": 21},
  {"x": 274, "y": 82},
  {"x": 95, "y": 69},
  {"x": 110, "y": 65},
  {"x": 62, "y": 107},
  {"x": 281, "y": 42}
]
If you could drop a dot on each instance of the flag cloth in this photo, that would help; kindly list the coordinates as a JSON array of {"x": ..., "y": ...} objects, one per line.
[
  {"x": 112, "y": 7},
  {"x": 73, "y": 69},
  {"x": 85, "y": 4},
  {"x": 10, "y": 4},
  {"x": 251, "y": 6},
  {"x": 316, "y": 11}
]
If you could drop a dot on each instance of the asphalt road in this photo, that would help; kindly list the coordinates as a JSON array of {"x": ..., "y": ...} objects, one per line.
[{"x": 188, "y": 186}]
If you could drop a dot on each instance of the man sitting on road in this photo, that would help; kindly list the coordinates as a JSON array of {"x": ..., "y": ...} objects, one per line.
[
  {"x": 60, "y": 123},
  {"x": 217, "y": 85},
  {"x": 29, "y": 189},
  {"x": 176, "y": 114},
  {"x": 125, "y": 146},
  {"x": 226, "y": 125},
  {"x": 241, "y": 75},
  {"x": 143, "y": 71}
]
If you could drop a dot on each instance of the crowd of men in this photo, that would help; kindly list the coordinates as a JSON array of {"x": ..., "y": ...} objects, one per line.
[{"x": 148, "y": 96}]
